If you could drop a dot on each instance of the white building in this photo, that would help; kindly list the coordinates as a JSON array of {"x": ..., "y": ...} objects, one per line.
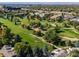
[
  {"x": 75, "y": 19},
  {"x": 8, "y": 51},
  {"x": 59, "y": 53},
  {"x": 62, "y": 52},
  {"x": 1, "y": 7}
]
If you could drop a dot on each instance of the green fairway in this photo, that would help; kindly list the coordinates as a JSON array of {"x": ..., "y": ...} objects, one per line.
[
  {"x": 24, "y": 21},
  {"x": 24, "y": 33},
  {"x": 69, "y": 33}
]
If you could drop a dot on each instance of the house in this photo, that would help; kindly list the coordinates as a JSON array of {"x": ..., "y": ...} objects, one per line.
[
  {"x": 63, "y": 52},
  {"x": 59, "y": 53},
  {"x": 1, "y": 7},
  {"x": 55, "y": 17},
  {"x": 24, "y": 9},
  {"x": 7, "y": 51},
  {"x": 75, "y": 19},
  {"x": 68, "y": 17}
]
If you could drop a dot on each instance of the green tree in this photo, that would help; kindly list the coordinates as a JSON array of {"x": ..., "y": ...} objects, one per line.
[
  {"x": 52, "y": 36},
  {"x": 77, "y": 27},
  {"x": 76, "y": 43},
  {"x": 22, "y": 49},
  {"x": 38, "y": 52},
  {"x": 1, "y": 44},
  {"x": 68, "y": 43},
  {"x": 6, "y": 41}
]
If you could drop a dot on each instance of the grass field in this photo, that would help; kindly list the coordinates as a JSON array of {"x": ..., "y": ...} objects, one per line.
[
  {"x": 26, "y": 37},
  {"x": 24, "y": 33},
  {"x": 69, "y": 33}
]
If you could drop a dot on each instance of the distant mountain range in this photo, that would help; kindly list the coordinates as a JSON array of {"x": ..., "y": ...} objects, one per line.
[{"x": 43, "y": 3}]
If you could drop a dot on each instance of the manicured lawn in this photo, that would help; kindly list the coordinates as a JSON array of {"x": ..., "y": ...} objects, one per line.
[
  {"x": 24, "y": 33},
  {"x": 24, "y": 21},
  {"x": 26, "y": 37},
  {"x": 69, "y": 33}
]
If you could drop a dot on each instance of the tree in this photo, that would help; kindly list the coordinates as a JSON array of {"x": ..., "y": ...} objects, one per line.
[
  {"x": 77, "y": 27},
  {"x": 67, "y": 23},
  {"x": 1, "y": 44},
  {"x": 57, "y": 28},
  {"x": 6, "y": 41},
  {"x": 74, "y": 23},
  {"x": 61, "y": 18},
  {"x": 51, "y": 35},
  {"x": 28, "y": 27},
  {"x": 45, "y": 51},
  {"x": 30, "y": 52},
  {"x": 7, "y": 33},
  {"x": 20, "y": 48},
  {"x": 39, "y": 52},
  {"x": 17, "y": 38},
  {"x": 1, "y": 23},
  {"x": 76, "y": 43},
  {"x": 12, "y": 17},
  {"x": 23, "y": 49},
  {"x": 68, "y": 43},
  {"x": 29, "y": 17}
]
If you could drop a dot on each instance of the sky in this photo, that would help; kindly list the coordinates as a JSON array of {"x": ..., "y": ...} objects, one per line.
[
  {"x": 39, "y": 0},
  {"x": 68, "y": 3},
  {"x": 72, "y": 2}
]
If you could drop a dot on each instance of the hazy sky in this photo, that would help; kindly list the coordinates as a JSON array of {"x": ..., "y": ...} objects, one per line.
[
  {"x": 39, "y": 0},
  {"x": 68, "y": 3}
]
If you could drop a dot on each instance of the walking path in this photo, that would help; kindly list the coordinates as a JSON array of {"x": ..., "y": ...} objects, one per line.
[
  {"x": 72, "y": 39},
  {"x": 44, "y": 40}
]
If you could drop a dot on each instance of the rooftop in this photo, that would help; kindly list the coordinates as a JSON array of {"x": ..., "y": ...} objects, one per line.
[{"x": 7, "y": 51}]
